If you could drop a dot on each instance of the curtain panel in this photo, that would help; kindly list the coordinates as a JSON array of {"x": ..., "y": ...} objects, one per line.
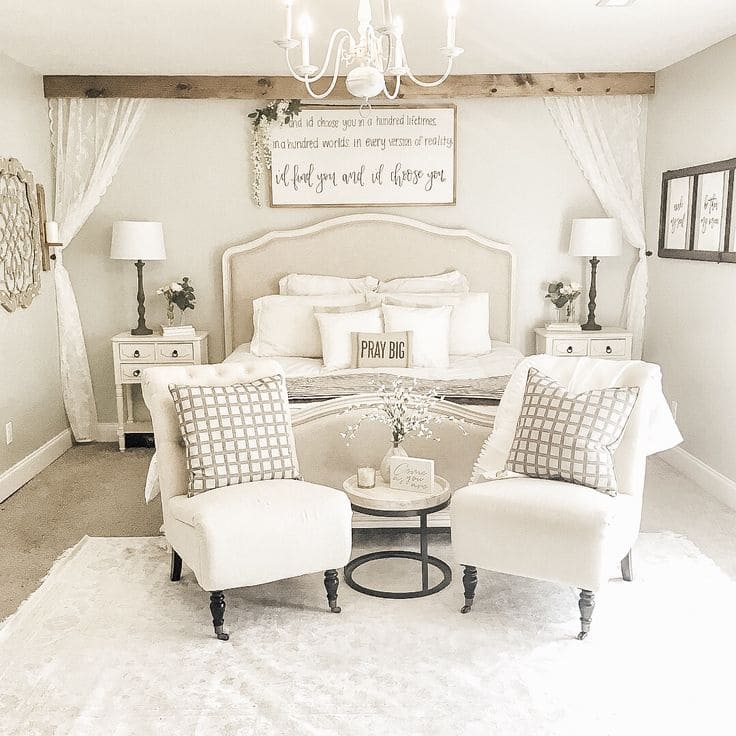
[
  {"x": 88, "y": 141},
  {"x": 604, "y": 136}
]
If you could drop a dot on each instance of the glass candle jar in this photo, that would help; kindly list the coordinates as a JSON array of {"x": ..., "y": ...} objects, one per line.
[{"x": 366, "y": 477}]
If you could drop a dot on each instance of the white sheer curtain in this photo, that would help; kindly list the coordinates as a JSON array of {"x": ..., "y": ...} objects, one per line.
[
  {"x": 604, "y": 135},
  {"x": 88, "y": 140}
]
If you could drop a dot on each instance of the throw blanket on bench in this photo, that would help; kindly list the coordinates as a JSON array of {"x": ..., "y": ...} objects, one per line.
[{"x": 469, "y": 390}]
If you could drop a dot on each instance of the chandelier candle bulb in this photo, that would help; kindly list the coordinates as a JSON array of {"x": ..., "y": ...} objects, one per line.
[
  {"x": 452, "y": 8},
  {"x": 305, "y": 28},
  {"x": 399, "y": 50},
  {"x": 364, "y": 13},
  {"x": 287, "y": 31},
  {"x": 52, "y": 232},
  {"x": 387, "y": 14}
]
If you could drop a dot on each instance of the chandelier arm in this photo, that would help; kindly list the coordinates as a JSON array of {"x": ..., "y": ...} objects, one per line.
[
  {"x": 336, "y": 74},
  {"x": 396, "y": 89},
  {"x": 434, "y": 83},
  {"x": 330, "y": 46}
]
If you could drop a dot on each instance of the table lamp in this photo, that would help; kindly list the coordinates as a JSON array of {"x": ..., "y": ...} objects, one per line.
[
  {"x": 138, "y": 241},
  {"x": 595, "y": 237}
]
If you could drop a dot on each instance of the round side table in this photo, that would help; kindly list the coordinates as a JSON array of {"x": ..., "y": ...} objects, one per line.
[{"x": 382, "y": 500}]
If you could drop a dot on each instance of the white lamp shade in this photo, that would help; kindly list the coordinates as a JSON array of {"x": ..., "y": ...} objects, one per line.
[
  {"x": 136, "y": 240},
  {"x": 596, "y": 236}
]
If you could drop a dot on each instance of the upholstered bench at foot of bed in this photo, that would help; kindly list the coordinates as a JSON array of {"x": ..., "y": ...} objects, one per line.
[{"x": 229, "y": 539}]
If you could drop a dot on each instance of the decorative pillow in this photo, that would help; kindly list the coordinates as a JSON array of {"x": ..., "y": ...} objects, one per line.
[
  {"x": 285, "y": 325},
  {"x": 431, "y": 328},
  {"x": 452, "y": 281},
  {"x": 304, "y": 284},
  {"x": 337, "y": 334},
  {"x": 469, "y": 323},
  {"x": 562, "y": 436},
  {"x": 236, "y": 434},
  {"x": 382, "y": 350}
]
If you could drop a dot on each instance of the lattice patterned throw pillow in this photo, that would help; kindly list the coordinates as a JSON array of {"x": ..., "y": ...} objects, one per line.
[
  {"x": 236, "y": 434},
  {"x": 562, "y": 436}
]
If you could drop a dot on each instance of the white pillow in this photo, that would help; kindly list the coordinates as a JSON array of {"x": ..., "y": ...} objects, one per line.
[
  {"x": 304, "y": 284},
  {"x": 286, "y": 325},
  {"x": 431, "y": 328},
  {"x": 336, "y": 330},
  {"x": 470, "y": 321},
  {"x": 453, "y": 282}
]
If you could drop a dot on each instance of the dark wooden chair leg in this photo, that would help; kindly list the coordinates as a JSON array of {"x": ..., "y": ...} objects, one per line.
[
  {"x": 217, "y": 607},
  {"x": 470, "y": 581},
  {"x": 331, "y": 583},
  {"x": 627, "y": 568},
  {"x": 175, "y": 566},
  {"x": 586, "y": 605}
]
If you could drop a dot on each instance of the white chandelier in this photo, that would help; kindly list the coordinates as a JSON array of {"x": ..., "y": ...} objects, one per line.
[{"x": 375, "y": 56}]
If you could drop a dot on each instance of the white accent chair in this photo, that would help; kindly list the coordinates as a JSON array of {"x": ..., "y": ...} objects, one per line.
[
  {"x": 245, "y": 534},
  {"x": 553, "y": 530}
]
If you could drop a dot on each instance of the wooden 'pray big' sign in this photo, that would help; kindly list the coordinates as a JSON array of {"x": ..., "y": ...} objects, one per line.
[{"x": 382, "y": 349}]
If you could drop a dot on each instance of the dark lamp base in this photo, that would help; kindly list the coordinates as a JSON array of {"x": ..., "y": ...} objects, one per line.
[
  {"x": 590, "y": 326},
  {"x": 149, "y": 331}
]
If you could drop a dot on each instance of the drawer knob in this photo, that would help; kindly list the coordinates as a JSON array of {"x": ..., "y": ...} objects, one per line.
[
  {"x": 136, "y": 353},
  {"x": 609, "y": 349},
  {"x": 569, "y": 348},
  {"x": 174, "y": 353},
  {"x": 136, "y": 372}
]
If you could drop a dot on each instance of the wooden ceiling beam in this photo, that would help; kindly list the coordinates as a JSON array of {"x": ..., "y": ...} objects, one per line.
[{"x": 275, "y": 88}]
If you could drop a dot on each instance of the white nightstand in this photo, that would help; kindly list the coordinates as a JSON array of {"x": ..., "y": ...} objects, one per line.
[
  {"x": 132, "y": 354},
  {"x": 610, "y": 342}
]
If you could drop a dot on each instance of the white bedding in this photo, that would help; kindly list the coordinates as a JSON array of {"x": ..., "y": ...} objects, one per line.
[{"x": 500, "y": 361}]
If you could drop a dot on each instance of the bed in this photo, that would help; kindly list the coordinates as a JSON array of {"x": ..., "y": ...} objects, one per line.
[{"x": 389, "y": 247}]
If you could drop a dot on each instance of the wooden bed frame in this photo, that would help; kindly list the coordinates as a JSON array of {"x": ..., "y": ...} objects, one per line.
[{"x": 385, "y": 246}]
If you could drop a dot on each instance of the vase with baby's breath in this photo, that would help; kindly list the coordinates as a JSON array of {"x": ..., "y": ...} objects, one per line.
[{"x": 406, "y": 411}]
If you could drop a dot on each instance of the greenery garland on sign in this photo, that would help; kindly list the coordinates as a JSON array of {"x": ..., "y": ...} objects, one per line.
[{"x": 278, "y": 111}]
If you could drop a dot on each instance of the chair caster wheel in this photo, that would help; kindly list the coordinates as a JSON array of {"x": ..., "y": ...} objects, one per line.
[
  {"x": 466, "y": 609},
  {"x": 582, "y": 635},
  {"x": 335, "y": 609},
  {"x": 221, "y": 635}
]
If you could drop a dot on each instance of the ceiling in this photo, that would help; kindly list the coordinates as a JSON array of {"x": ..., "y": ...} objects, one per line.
[{"x": 234, "y": 36}]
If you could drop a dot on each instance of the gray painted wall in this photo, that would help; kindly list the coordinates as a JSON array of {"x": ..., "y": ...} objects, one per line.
[
  {"x": 691, "y": 330},
  {"x": 29, "y": 352}
]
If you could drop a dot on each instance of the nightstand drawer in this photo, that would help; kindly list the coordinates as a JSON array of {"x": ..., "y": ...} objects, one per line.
[
  {"x": 170, "y": 352},
  {"x": 132, "y": 373},
  {"x": 132, "y": 352},
  {"x": 602, "y": 348},
  {"x": 570, "y": 347}
]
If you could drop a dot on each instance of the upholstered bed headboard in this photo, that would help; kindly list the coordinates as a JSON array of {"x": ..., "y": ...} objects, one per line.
[{"x": 385, "y": 246}]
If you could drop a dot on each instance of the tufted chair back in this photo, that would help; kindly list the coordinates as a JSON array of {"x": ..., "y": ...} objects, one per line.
[
  {"x": 650, "y": 428},
  {"x": 172, "y": 467}
]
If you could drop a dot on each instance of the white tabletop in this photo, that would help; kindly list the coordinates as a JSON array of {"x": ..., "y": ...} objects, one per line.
[{"x": 384, "y": 498}]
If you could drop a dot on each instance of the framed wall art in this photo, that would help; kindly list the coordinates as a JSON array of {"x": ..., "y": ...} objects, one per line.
[
  {"x": 20, "y": 236},
  {"x": 696, "y": 215},
  {"x": 388, "y": 155}
]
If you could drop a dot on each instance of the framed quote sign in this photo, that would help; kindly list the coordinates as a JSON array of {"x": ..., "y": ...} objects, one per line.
[
  {"x": 334, "y": 156},
  {"x": 696, "y": 216}
]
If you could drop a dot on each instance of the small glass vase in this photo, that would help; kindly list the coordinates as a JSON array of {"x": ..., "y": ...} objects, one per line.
[
  {"x": 567, "y": 313},
  {"x": 396, "y": 450}
]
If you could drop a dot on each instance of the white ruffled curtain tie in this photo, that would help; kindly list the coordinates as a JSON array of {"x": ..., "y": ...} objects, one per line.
[
  {"x": 603, "y": 135},
  {"x": 88, "y": 141}
]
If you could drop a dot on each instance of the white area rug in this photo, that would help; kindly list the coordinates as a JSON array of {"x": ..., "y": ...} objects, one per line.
[{"x": 109, "y": 646}]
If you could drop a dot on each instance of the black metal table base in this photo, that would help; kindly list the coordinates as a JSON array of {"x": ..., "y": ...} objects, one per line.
[
  {"x": 421, "y": 556},
  {"x": 442, "y": 566}
]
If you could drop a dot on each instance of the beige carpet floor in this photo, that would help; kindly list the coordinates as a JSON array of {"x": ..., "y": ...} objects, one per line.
[{"x": 98, "y": 491}]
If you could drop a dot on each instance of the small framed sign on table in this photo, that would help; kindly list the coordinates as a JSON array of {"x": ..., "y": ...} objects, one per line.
[
  {"x": 338, "y": 156},
  {"x": 411, "y": 474}
]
